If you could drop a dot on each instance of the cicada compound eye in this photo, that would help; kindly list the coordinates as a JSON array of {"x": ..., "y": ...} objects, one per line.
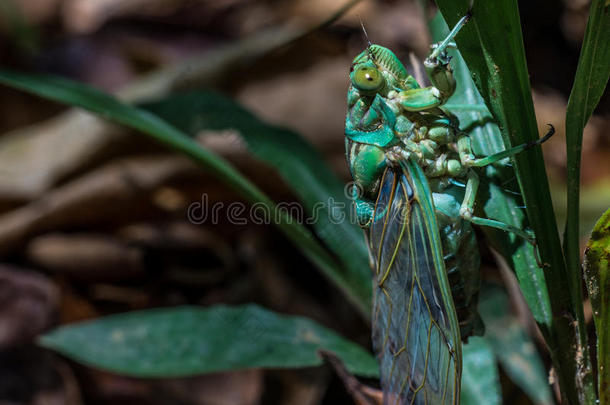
[{"x": 367, "y": 78}]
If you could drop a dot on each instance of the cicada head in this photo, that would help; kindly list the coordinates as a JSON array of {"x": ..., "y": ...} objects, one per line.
[{"x": 377, "y": 70}]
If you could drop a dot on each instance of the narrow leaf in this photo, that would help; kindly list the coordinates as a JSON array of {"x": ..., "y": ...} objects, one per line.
[
  {"x": 183, "y": 341},
  {"x": 77, "y": 94},
  {"x": 589, "y": 84},
  {"x": 597, "y": 275}
]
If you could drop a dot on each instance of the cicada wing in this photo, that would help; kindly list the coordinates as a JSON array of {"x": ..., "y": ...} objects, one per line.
[{"x": 415, "y": 328}]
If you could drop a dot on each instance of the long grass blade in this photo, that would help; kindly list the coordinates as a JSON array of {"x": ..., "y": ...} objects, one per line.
[{"x": 589, "y": 85}]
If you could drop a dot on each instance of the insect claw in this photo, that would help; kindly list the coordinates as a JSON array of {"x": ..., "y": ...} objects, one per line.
[
  {"x": 545, "y": 138},
  {"x": 549, "y": 133}
]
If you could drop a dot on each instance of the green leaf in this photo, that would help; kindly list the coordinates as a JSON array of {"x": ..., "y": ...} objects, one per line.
[
  {"x": 76, "y": 94},
  {"x": 492, "y": 46},
  {"x": 513, "y": 346},
  {"x": 497, "y": 199},
  {"x": 480, "y": 378},
  {"x": 183, "y": 341},
  {"x": 299, "y": 164},
  {"x": 597, "y": 275},
  {"x": 589, "y": 84}
]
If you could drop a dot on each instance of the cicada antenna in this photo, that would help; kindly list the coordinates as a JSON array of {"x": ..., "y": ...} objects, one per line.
[
  {"x": 366, "y": 35},
  {"x": 368, "y": 41}
]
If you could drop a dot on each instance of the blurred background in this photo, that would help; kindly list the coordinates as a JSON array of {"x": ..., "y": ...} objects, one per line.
[{"x": 93, "y": 217}]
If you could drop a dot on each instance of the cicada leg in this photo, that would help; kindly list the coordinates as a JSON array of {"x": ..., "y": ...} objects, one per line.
[
  {"x": 468, "y": 159},
  {"x": 467, "y": 208},
  {"x": 440, "y": 75},
  {"x": 467, "y": 211},
  {"x": 448, "y": 42}
]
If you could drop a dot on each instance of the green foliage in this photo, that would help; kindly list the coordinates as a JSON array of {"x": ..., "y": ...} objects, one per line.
[
  {"x": 597, "y": 275},
  {"x": 589, "y": 85},
  {"x": 182, "y": 341}
]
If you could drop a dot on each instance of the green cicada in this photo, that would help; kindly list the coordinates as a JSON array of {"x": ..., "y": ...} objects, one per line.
[{"x": 415, "y": 189}]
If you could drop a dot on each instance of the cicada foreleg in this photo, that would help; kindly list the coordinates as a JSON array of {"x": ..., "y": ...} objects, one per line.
[
  {"x": 440, "y": 75},
  {"x": 448, "y": 42}
]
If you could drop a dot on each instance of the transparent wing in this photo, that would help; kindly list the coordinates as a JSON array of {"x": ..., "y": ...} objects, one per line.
[{"x": 415, "y": 329}]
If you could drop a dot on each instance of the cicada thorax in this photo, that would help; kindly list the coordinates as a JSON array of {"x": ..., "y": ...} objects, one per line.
[{"x": 431, "y": 139}]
